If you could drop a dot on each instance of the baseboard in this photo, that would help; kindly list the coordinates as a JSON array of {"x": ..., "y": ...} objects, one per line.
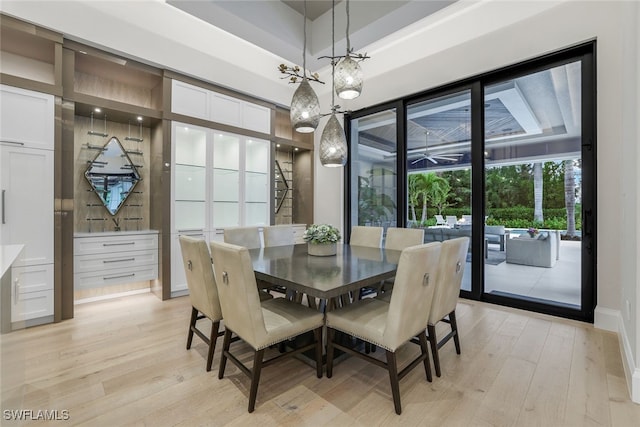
[
  {"x": 604, "y": 319},
  {"x": 607, "y": 319}
]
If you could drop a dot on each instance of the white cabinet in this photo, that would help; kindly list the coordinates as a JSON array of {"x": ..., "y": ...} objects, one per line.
[
  {"x": 26, "y": 118},
  {"x": 32, "y": 292},
  {"x": 107, "y": 259},
  {"x": 27, "y": 199},
  {"x": 205, "y": 104}
]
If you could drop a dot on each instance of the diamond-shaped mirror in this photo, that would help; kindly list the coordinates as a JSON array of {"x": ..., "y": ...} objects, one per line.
[
  {"x": 112, "y": 175},
  {"x": 282, "y": 187}
]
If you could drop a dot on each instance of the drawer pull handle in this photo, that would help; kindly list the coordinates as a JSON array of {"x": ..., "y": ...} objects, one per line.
[
  {"x": 119, "y": 277},
  {"x": 16, "y": 290},
  {"x": 106, "y": 261},
  {"x": 118, "y": 244}
]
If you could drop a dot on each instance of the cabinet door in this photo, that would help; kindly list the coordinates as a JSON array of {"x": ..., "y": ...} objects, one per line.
[
  {"x": 31, "y": 292},
  {"x": 189, "y": 177},
  {"x": 26, "y": 117},
  {"x": 256, "y": 182},
  {"x": 189, "y": 100},
  {"x": 226, "y": 181},
  {"x": 26, "y": 181}
]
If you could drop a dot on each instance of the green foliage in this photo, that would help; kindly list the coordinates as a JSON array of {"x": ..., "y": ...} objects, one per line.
[
  {"x": 373, "y": 206},
  {"x": 321, "y": 233}
]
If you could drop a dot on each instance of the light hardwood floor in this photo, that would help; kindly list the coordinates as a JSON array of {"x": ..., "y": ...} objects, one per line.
[{"x": 123, "y": 362}]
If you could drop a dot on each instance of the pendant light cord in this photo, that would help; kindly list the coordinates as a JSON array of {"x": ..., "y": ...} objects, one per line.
[
  {"x": 348, "y": 41},
  {"x": 304, "y": 45},
  {"x": 333, "y": 56}
]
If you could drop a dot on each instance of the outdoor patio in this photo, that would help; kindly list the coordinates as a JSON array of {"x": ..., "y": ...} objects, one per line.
[{"x": 560, "y": 283}]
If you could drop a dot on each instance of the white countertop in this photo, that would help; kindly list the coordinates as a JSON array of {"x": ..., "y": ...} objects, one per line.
[
  {"x": 8, "y": 254},
  {"x": 115, "y": 233}
]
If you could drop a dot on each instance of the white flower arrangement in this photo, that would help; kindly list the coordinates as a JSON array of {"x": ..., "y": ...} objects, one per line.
[{"x": 321, "y": 233}]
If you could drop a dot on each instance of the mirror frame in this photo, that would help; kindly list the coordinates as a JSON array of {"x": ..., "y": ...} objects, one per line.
[{"x": 134, "y": 171}]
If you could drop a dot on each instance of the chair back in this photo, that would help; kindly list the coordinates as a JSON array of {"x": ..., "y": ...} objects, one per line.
[
  {"x": 453, "y": 258},
  {"x": 278, "y": 235},
  {"x": 366, "y": 236},
  {"x": 440, "y": 220},
  {"x": 452, "y": 220},
  {"x": 415, "y": 282},
  {"x": 249, "y": 237},
  {"x": 200, "y": 279},
  {"x": 401, "y": 238},
  {"x": 238, "y": 292}
]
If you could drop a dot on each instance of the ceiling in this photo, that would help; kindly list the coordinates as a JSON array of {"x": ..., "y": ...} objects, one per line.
[{"x": 277, "y": 26}]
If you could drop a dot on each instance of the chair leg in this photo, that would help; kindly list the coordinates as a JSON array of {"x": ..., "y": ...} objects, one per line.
[
  {"x": 226, "y": 343},
  {"x": 425, "y": 353},
  {"x": 392, "y": 366},
  {"x": 431, "y": 331},
  {"x": 330, "y": 335},
  {"x": 255, "y": 378},
  {"x": 213, "y": 337},
  {"x": 192, "y": 324},
  {"x": 317, "y": 333},
  {"x": 454, "y": 329}
]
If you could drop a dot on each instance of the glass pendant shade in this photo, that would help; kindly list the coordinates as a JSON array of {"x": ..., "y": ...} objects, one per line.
[
  {"x": 348, "y": 79},
  {"x": 305, "y": 108},
  {"x": 333, "y": 144}
]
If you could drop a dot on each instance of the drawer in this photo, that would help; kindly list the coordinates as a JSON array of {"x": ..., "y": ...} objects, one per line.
[
  {"x": 120, "y": 243},
  {"x": 32, "y": 305},
  {"x": 115, "y": 260},
  {"x": 98, "y": 279}
]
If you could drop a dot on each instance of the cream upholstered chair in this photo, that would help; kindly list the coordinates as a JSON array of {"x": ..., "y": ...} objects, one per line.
[
  {"x": 366, "y": 236},
  {"x": 401, "y": 238},
  {"x": 258, "y": 324},
  {"x": 278, "y": 235},
  {"x": 249, "y": 237},
  {"x": 202, "y": 292},
  {"x": 453, "y": 257},
  {"x": 390, "y": 325}
]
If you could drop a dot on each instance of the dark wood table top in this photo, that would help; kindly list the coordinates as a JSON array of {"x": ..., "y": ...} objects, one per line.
[{"x": 352, "y": 268}]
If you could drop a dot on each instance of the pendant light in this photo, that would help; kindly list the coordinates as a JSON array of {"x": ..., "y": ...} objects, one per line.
[
  {"x": 305, "y": 107},
  {"x": 348, "y": 74},
  {"x": 333, "y": 144}
]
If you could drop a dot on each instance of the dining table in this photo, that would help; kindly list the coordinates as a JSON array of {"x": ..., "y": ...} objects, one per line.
[{"x": 324, "y": 277}]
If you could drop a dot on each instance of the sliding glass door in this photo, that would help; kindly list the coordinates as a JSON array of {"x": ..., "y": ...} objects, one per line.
[{"x": 506, "y": 158}]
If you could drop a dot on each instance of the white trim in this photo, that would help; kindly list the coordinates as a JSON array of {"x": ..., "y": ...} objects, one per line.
[
  {"x": 611, "y": 320},
  {"x": 111, "y": 296},
  {"x": 607, "y": 319}
]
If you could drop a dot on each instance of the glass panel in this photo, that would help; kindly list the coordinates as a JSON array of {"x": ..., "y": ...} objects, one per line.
[
  {"x": 189, "y": 215},
  {"x": 373, "y": 177},
  {"x": 256, "y": 213},
  {"x": 226, "y": 184},
  {"x": 439, "y": 169},
  {"x": 190, "y": 182},
  {"x": 256, "y": 187},
  {"x": 257, "y": 155},
  {"x": 226, "y": 151},
  {"x": 191, "y": 145},
  {"x": 533, "y": 185},
  {"x": 226, "y": 214}
]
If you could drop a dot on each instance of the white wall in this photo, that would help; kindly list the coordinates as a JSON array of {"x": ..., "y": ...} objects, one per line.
[{"x": 461, "y": 41}]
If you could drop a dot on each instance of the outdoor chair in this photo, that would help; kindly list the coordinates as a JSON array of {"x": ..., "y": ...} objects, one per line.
[
  {"x": 440, "y": 220},
  {"x": 452, "y": 220}
]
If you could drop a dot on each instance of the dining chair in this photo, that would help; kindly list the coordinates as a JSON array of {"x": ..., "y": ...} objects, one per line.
[
  {"x": 249, "y": 237},
  {"x": 390, "y": 325},
  {"x": 278, "y": 235},
  {"x": 202, "y": 292},
  {"x": 259, "y": 324},
  {"x": 366, "y": 236},
  {"x": 401, "y": 238},
  {"x": 453, "y": 258}
]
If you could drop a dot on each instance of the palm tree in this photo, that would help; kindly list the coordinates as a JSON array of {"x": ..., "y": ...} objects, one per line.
[
  {"x": 537, "y": 192},
  {"x": 570, "y": 197},
  {"x": 414, "y": 186}
]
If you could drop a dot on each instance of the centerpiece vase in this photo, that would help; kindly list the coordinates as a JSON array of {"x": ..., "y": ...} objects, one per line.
[{"x": 321, "y": 249}]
